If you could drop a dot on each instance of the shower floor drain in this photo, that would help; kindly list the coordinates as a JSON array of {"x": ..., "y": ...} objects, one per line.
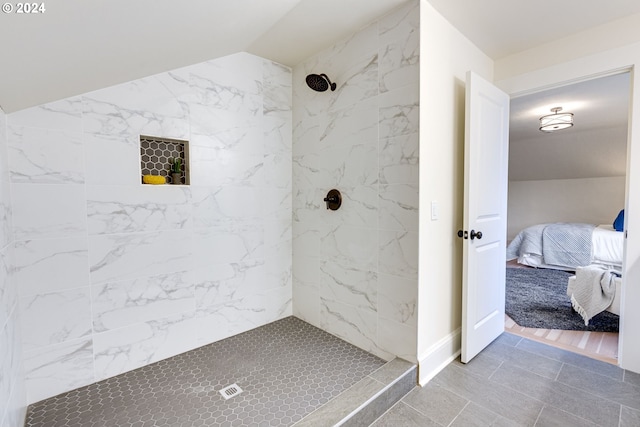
[{"x": 230, "y": 391}]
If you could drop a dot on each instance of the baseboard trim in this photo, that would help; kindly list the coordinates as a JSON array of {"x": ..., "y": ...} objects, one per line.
[{"x": 438, "y": 356}]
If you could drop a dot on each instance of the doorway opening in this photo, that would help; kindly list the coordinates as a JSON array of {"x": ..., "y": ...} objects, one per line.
[{"x": 574, "y": 175}]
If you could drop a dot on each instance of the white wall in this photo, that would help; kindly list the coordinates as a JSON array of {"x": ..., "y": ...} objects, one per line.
[
  {"x": 12, "y": 396},
  {"x": 589, "y": 200},
  {"x": 113, "y": 274},
  {"x": 529, "y": 76},
  {"x": 356, "y": 269},
  {"x": 445, "y": 57}
]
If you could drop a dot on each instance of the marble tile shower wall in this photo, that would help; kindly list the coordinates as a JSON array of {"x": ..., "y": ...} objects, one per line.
[
  {"x": 113, "y": 274},
  {"x": 356, "y": 269},
  {"x": 12, "y": 397}
]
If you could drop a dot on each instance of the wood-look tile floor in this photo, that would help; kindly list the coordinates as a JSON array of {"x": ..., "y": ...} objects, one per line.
[{"x": 597, "y": 345}]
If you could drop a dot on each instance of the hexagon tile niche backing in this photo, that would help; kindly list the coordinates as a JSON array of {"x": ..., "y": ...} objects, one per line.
[{"x": 157, "y": 154}]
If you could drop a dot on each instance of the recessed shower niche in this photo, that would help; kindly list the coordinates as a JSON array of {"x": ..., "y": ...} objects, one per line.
[{"x": 164, "y": 157}]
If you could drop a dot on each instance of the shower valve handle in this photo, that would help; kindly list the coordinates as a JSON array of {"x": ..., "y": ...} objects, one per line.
[{"x": 333, "y": 199}]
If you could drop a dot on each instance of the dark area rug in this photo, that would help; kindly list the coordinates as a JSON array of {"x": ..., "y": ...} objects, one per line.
[{"x": 537, "y": 298}]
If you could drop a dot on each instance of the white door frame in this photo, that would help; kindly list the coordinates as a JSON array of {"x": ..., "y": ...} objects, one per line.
[{"x": 532, "y": 83}]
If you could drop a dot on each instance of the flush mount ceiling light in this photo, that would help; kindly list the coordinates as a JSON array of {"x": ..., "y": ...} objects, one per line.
[{"x": 556, "y": 121}]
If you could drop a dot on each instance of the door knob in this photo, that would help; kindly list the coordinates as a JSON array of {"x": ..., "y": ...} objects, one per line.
[{"x": 475, "y": 234}]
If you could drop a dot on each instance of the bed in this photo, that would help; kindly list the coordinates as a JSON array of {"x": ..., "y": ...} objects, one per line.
[{"x": 567, "y": 246}]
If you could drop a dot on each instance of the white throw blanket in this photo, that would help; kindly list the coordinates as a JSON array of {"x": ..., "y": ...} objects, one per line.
[{"x": 593, "y": 291}]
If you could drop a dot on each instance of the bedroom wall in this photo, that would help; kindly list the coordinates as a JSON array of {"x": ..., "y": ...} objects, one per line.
[
  {"x": 589, "y": 200},
  {"x": 113, "y": 274}
]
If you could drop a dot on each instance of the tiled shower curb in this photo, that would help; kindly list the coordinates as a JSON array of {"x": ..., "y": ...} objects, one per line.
[{"x": 368, "y": 399}]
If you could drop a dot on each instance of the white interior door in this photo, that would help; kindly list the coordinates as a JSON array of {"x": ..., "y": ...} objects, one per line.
[{"x": 485, "y": 214}]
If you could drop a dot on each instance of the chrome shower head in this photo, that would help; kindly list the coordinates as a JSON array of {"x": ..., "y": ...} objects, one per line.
[{"x": 320, "y": 82}]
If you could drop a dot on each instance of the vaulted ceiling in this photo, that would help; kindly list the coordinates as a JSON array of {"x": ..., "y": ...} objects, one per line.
[{"x": 77, "y": 45}]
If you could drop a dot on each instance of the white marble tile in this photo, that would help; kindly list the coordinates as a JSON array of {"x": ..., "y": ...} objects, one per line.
[
  {"x": 278, "y": 171},
  {"x": 276, "y": 203},
  {"x": 398, "y": 253},
  {"x": 120, "y": 304},
  {"x": 220, "y": 283},
  {"x": 8, "y": 288},
  {"x": 398, "y": 207},
  {"x": 399, "y": 112},
  {"x": 351, "y": 246},
  {"x": 177, "y": 83},
  {"x": 65, "y": 114},
  {"x": 306, "y": 272},
  {"x": 279, "y": 268},
  {"x": 216, "y": 167},
  {"x": 399, "y": 63},
  {"x": 206, "y": 208},
  {"x": 122, "y": 209},
  {"x": 308, "y": 204},
  {"x": 226, "y": 205},
  {"x": 4, "y": 163},
  {"x": 307, "y": 103},
  {"x": 219, "y": 82},
  {"x": 140, "y": 107},
  {"x": 145, "y": 96},
  {"x": 227, "y": 244},
  {"x": 115, "y": 257},
  {"x": 346, "y": 52},
  {"x": 6, "y": 214},
  {"x": 349, "y": 285},
  {"x": 354, "y": 125},
  {"x": 241, "y": 140},
  {"x": 112, "y": 160},
  {"x": 279, "y": 303},
  {"x": 356, "y": 326},
  {"x": 399, "y": 159},
  {"x": 124, "y": 349},
  {"x": 306, "y": 305},
  {"x": 234, "y": 317},
  {"x": 16, "y": 407},
  {"x": 55, "y": 317},
  {"x": 359, "y": 207},
  {"x": 40, "y": 155},
  {"x": 308, "y": 173},
  {"x": 398, "y": 339},
  {"x": 277, "y": 133},
  {"x": 58, "y": 368},
  {"x": 398, "y": 299},
  {"x": 350, "y": 165},
  {"x": 48, "y": 211},
  {"x": 48, "y": 265},
  {"x": 306, "y": 239},
  {"x": 397, "y": 24},
  {"x": 306, "y": 133},
  {"x": 357, "y": 82},
  {"x": 225, "y": 320},
  {"x": 276, "y": 89},
  {"x": 277, "y": 75},
  {"x": 278, "y": 235},
  {"x": 10, "y": 357}
]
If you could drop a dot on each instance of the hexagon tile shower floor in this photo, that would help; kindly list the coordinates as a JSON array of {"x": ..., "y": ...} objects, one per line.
[{"x": 285, "y": 370}]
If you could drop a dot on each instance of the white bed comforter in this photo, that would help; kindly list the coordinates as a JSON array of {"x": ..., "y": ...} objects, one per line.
[{"x": 606, "y": 248}]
